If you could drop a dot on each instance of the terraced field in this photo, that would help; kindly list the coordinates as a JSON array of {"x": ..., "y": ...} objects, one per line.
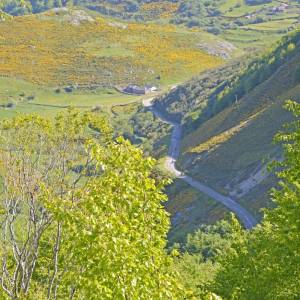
[
  {"x": 236, "y": 8},
  {"x": 258, "y": 26},
  {"x": 275, "y": 25}
]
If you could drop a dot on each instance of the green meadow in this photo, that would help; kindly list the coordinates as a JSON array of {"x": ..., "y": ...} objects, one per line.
[{"x": 18, "y": 96}]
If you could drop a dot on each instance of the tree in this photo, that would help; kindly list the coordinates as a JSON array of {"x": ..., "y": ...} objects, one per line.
[
  {"x": 81, "y": 217},
  {"x": 265, "y": 263},
  {"x": 198, "y": 262}
]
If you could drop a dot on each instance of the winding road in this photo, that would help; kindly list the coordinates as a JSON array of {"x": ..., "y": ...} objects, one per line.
[{"x": 174, "y": 149}]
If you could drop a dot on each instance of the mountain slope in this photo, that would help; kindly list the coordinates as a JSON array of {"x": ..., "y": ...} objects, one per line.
[
  {"x": 247, "y": 24},
  {"x": 228, "y": 150},
  {"x": 229, "y": 142},
  {"x": 67, "y": 46}
]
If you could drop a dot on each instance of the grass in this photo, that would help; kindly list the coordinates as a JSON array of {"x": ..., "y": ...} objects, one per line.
[
  {"x": 231, "y": 9},
  {"x": 270, "y": 27},
  {"x": 212, "y": 143},
  {"x": 238, "y": 8},
  {"x": 245, "y": 38},
  {"x": 276, "y": 25},
  {"x": 46, "y": 101}
]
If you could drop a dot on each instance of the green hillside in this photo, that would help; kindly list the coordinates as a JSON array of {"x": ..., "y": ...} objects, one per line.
[
  {"x": 247, "y": 24},
  {"x": 74, "y": 47},
  {"x": 82, "y": 71},
  {"x": 72, "y": 57},
  {"x": 229, "y": 124}
]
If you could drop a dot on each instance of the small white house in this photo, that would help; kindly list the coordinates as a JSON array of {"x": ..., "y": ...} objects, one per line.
[{"x": 134, "y": 89}]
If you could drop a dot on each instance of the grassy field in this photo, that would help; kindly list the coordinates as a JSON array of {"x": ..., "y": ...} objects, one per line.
[
  {"x": 276, "y": 25},
  {"x": 255, "y": 39},
  {"x": 260, "y": 35},
  {"x": 237, "y": 8},
  {"x": 258, "y": 25},
  {"x": 19, "y": 96}
]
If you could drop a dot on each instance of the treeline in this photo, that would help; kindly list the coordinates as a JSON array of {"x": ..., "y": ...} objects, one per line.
[
  {"x": 21, "y": 7},
  {"x": 187, "y": 9},
  {"x": 258, "y": 71},
  {"x": 192, "y": 13},
  {"x": 190, "y": 100},
  {"x": 142, "y": 128}
]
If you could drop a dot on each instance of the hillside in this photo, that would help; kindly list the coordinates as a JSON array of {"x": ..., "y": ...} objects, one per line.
[
  {"x": 75, "y": 57},
  {"x": 247, "y": 24},
  {"x": 68, "y": 56},
  {"x": 73, "y": 47},
  {"x": 228, "y": 131}
]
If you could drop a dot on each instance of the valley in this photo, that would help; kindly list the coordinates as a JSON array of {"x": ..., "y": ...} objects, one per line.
[
  {"x": 173, "y": 153},
  {"x": 149, "y": 150},
  {"x": 91, "y": 57}
]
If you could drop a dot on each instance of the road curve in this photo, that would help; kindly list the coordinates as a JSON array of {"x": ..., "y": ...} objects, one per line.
[{"x": 174, "y": 149}]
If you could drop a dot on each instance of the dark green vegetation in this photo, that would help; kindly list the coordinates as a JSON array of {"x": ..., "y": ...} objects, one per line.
[
  {"x": 189, "y": 209},
  {"x": 230, "y": 116},
  {"x": 139, "y": 125},
  {"x": 200, "y": 255},
  {"x": 263, "y": 263}
]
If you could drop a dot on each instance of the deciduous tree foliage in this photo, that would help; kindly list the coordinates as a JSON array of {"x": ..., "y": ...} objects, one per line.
[
  {"x": 198, "y": 263},
  {"x": 265, "y": 263},
  {"x": 81, "y": 217}
]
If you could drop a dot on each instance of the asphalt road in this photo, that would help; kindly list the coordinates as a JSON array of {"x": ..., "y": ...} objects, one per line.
[{"x": 174, "y": 149}]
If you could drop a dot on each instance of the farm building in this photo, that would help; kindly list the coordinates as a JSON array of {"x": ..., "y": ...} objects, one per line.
[{"x": 137, "y": 90}]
